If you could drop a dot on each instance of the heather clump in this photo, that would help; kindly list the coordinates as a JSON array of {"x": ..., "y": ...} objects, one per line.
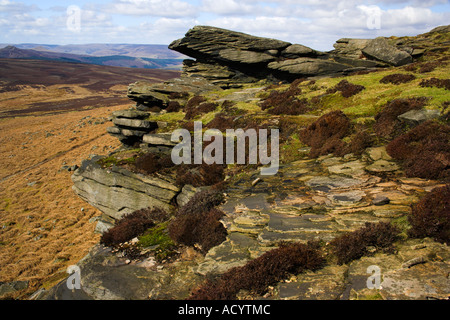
[
  {"x": 387, "y": 124},
  {"x": 430, "y": 217},
  {"x": 197, "y": 106},
  {"x": 435, "y": 82},
  {"x": 132, "y": 225},
  {"x": 325, "y": 135},
  {"x": 346, "y": 88},
  {"x": 258, "y": 274},
  {"x": 353, "y": 245},
  {"x": 197, "y": 223},
  {"x": 285, "y": 102},
  {"x": 424, "y": 151},
  {"x": 398, "y": 78},
  {"x": 149, "y": 163}
]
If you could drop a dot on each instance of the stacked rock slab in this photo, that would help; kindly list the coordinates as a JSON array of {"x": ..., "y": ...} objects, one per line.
[
  {"x": 227, "y": 58},
  {"x": 131, "y": 125},
  {"x": 149, "y": 95},
  {"x": 116, "y": 191}
]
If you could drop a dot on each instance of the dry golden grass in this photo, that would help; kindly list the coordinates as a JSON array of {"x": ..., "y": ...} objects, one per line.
[
  {"x": 43, "y": 228},
  {"x": 52, "y": 114}
]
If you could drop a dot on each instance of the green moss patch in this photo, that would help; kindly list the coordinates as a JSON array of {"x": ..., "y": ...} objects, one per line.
[{"x": 158, "y": 238}]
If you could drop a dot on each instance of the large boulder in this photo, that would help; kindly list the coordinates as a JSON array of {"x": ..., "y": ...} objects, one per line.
[
  {"x": 306, "y": 67},
  {"x": 298, "y": 50},
  {"x": 380, "y": 49},
  {"x": 227, "y": 58},
  {"x": 116, "y": 191},
  {"x": 158, "y": 94},
  {"x": 351, "y": 48},
  {"x": 217, "y": 74},
  {"x": 206, "y": 43},
  {"x": 142, "y": 92},
  {"x": 130, "y": 126}
]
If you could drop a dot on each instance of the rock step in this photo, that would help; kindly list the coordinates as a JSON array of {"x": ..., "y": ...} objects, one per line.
[{"x": 159, "y": 139}]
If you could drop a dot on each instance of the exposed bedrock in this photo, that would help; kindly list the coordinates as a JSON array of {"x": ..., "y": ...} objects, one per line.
[
  {"x": 227, "y": 57},
  {"x": 116, "y": 191}
]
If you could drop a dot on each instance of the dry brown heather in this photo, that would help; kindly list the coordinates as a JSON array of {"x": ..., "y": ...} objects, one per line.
[{"x": 44, "y": 226}]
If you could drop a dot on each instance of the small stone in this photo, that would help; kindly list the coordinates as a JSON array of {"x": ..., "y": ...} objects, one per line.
[
  {"x": 371, "y": 249},
  {"x": 413, "y": 262},
  {"x": 382, "y": 166},
  {"x": 256, "y": 182},
  {"x": 353, "y": 168},
  {"x": 347, "y": 197},
  {"x": 378, "y": 153},
  {"x": 415, "y": 117},
  {"x": 94, "y": 219},
  {"x": 380, "y": 200}
]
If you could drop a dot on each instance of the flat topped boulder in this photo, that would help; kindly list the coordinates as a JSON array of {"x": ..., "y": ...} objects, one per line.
[
  {"x": 380, "y": 49},
  {"x": 299, "y": 50},
  {"x": 157, "y": 94},
  {"x": 307, "y": 67},
  {"x": 142, "y": 92},
  {"x": 204, "y": 42},
  {"x": 130, "y": 114}
]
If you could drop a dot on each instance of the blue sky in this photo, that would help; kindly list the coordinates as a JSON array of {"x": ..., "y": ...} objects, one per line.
[{"x": 315, "y": 23}]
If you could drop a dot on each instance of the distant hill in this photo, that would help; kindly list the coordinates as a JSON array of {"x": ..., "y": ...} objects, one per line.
[
  {"x": 153, "y": 56},
  {"x": 26, "y": 71},
  {"x": 35, "y": 87},
  {"x": 151, "y": 51}
]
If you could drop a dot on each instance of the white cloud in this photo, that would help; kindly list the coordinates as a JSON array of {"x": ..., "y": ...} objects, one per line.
[
  {"x": 164, "y": 30},
  {"x": 158, "y": 8},
  {"x": 229, "y": 7},
  {"x": 315, "y": 23},
  {"x": 7, "y": 6},
  {"x": 319, "y": 27}
]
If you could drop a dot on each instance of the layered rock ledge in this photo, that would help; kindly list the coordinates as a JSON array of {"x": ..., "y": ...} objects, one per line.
[
  {"x": 117, "y": 191},
  {"x": 309, "y": 199},
  {"x": 228, "y": 58}
]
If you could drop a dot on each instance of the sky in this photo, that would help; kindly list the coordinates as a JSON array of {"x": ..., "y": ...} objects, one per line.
[{"x": 314, "y": 23}]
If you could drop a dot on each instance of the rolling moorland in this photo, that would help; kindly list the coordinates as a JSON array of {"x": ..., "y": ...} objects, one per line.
[
  {"x": 128, "y": 56},
  {"x": 52, "y": 115},
  {"x": 363, "y": 179}
]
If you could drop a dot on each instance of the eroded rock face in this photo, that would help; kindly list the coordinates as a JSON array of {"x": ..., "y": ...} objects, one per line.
[
  {"x": 380, "y": 49},
  {"x": 117, "y": 191},
  {"x": 329, "y": 206},
  {"x": 314, "y": 199},
  {"x": 203, "y": 42},
  {"x": 226, "y": 57},
  {"x": 148, "y": 95}
]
